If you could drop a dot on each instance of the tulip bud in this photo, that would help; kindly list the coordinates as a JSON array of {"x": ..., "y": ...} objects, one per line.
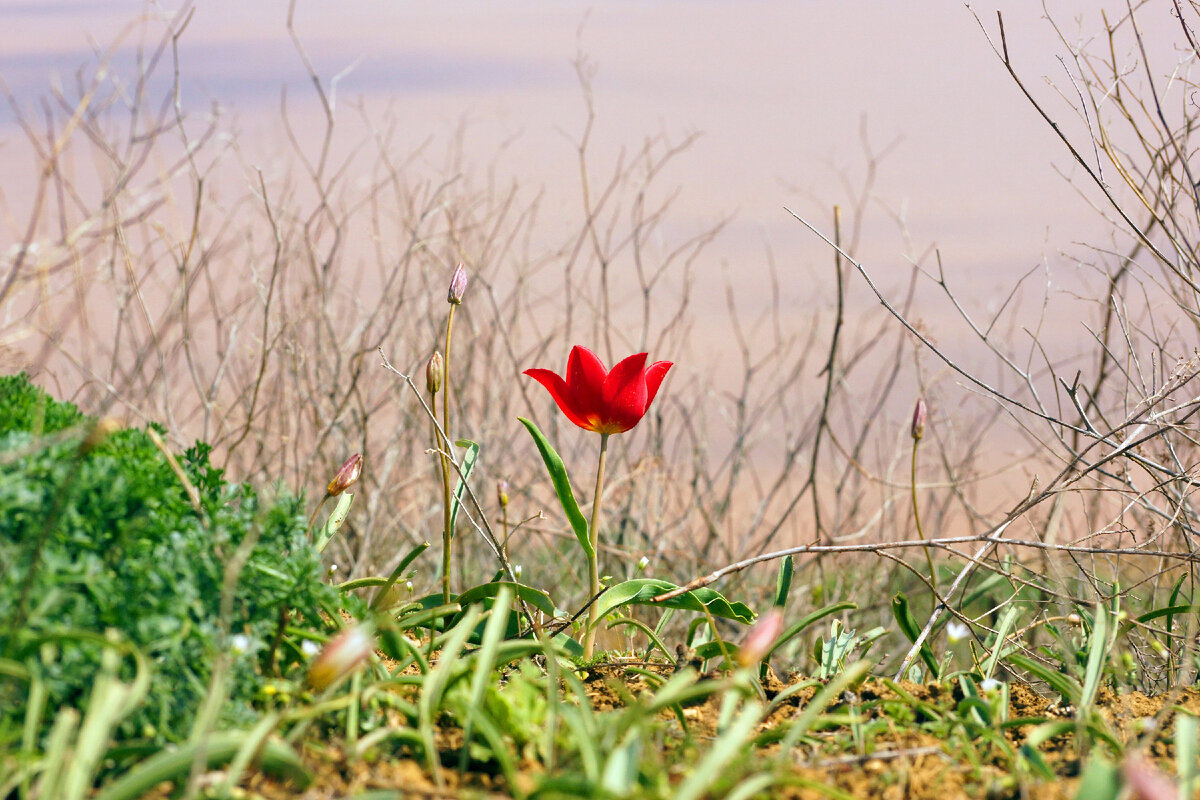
[
  {"x": 502, "y": 493},
  {"x": 346, "y": 476},
  {"x": 1146, "y": 781},
  {"x": 433, "y": 373},
  {"x": 760, "y": 638},
  {"x": 342, "y": 655},
  {"x": 458, "y": 285},
  {"x": 918, "y": 422}
]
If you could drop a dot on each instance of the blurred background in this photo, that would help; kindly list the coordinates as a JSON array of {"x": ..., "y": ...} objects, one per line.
[{"x": 218, "y": 214}]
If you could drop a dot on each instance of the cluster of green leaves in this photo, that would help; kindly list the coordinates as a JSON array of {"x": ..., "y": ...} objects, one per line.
[{"x": 103, "y": 538}]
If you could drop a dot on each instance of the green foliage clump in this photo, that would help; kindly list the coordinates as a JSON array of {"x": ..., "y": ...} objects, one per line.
[{"x": 104, "y": 538}]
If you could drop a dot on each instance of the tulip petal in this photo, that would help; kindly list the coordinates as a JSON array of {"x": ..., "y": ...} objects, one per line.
[
  {"x": 561, "y": 393},
  {"x": 585, "y": 381},
  {"x": 654, "y": 378},
  {"x": 625, "y": 394}
]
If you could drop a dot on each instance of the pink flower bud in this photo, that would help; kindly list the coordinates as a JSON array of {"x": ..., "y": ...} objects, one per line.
[
  {"x": 433, "y": 373},
  {"x": 760, "y": 638},
  {"x": 458, "y": 285},
  {"x": 343, "y": 654},
  {"x": 918, "y": 422},
  {"x": 502, "y": 493},
  {"x": 1146, "y": 781},
  {"x": 346, "y": 476}
]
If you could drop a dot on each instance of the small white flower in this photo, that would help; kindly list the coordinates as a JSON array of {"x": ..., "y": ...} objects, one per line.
[
  {"x": 332, "y": 569},
  {"x": 239, "y": 643},
  {"x": 310, "y": 648},
  {"x": 643, "y": 562},
  {"x": 990, "y": 685},
  {"x": 956, "y": 632},
  {"x": 516, "y": 571}
]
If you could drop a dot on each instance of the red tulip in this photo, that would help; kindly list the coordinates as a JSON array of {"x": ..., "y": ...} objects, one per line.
[{"x": 600, "y": 400}]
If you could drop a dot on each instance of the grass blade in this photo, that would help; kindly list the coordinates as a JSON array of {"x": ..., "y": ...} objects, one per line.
[
  {"x": 724, "y": 750},
  {"x": 484, "y": 664}
]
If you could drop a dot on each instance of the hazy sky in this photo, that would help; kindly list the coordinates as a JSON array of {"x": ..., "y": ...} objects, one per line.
[{"x": 778, "y": 90}]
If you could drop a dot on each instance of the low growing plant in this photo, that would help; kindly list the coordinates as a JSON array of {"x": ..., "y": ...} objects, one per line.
[{"x": 110, "y": 534}]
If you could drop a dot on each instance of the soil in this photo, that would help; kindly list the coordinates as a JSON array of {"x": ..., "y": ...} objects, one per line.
[{"x": 901, "y": 761}]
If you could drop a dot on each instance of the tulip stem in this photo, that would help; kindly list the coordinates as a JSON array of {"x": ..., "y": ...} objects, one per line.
[
  {"x": 447, "y": 534},
  {"x": 589, "y": 639},
  {"x": 917, "y": 517},
  {"x": 313, "y": 518}
]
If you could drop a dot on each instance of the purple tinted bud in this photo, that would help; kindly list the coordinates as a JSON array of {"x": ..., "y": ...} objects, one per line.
[
  {"x": 919, "y": 416},
  {"x": 346, "y": 476},
  {"x": 458, "y": 285}
]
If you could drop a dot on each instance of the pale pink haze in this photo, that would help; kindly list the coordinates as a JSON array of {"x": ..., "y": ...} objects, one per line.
[
  {"x": 760, "y": 638},
  {"x": 1146, "y": 781}
]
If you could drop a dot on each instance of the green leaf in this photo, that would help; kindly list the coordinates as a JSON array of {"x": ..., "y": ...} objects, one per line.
[
  {"x": 783, "y": 583},
  {"x": 642, "y": 591},
  {"x": 562, "y": 486},
  {"x": 334, "y": 523},
  {"x": 468, "y": 464},
  {"x": 998, "y": 649},
  {"x": 1187, "y": 742},
  {"x": 1098, "y": 647},
  {"x": 397, "y": 572},
  {"x": 485, "y": 662},
  {"x": 908, "y": 625},
  {"x": 1168, "y": 611},
  {"x": 1065, "y": 685},
  {"x": 535, "y": 597},
  {"x": 621, "y": 769},
  {"x": 276, "y": 758},
  {"x": 1100, "y": 780}
]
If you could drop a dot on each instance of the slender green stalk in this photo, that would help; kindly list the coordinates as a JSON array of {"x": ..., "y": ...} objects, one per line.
[
  {"x": 917, "y": 515},
  {"x": 504, "y": 527},
  {"x": 447, "y": 534},
  {"x": 589, "y": 639},
  {"x": 313, "y": 518}
]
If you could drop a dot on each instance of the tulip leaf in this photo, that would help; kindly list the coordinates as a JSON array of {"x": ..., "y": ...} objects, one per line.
[
  {"x": 468, "y": 464},
  {"x": 910, "y": 628},
  {"x": 334, "y": 523},
  {"x": 487, "y": 591},
  {"x": 642, "y": 591},
  {"x": 783, "y": 584},
  {"x": 562, "y": 486}
]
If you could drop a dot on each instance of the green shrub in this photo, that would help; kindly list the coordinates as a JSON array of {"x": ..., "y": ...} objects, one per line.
[{"x": 107, "y": 539}]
